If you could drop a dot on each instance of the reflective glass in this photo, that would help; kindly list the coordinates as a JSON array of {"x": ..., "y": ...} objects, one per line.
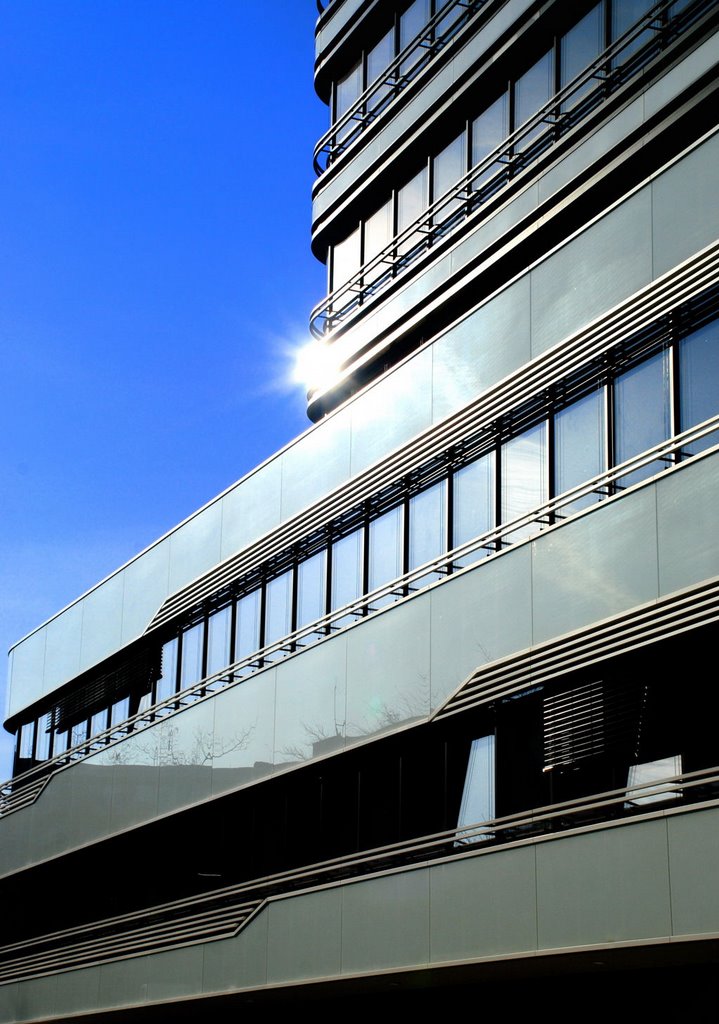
[
  {"x": 311, "y": 581},
  {"x": 42, "y": 744},
  {"x": 192, "y": 641},
  {"x": 411, "y": 24},
  {"x": 489, "y": 131},
  {"x": 524, "y": 477},
  {"x": 348, "y": 90},
  {"x": 347, "y": 570},
  {"x": 474, "y": 503},
  {"x": 27, "y": 735},
  {"x": 579, "y": 47},
  {"x": 98, "y": 722},
  {"x": 624, "y": 14},
  {"x": 531, "y": 92},
  {"x": 167, "y": 683},
  {"x": 219, "y": 626},
  {"x": 278, "y": 621},
  {"x": 59, "y": 745},
  {"x": 411, "y": 204},
  {"x": 427, "y": 529},
  {"x": 78, "y": 732},
  {"x": 385, "y": 552},
  {"x": 478, "y": 794},
  {"x": 641, "y": 406},
  {"x": 579, "y": 447},
  {"x": 345, "y": 259},
  {"x": 377, "y": 234},
  {"x": 378, "y": 60},
  {"x": 650, "y": 774},
  {"x": 448, "y": 167},
  {"x": 120, "y": 711},
  {"x": 699, "y": 381},
  {"x": 247, "y": 629}
]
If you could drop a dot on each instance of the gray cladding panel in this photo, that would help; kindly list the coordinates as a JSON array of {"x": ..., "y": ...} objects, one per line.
[
  {"x": 251, "y": 509},
  {"x": 385, "y": 922},
  {"x": 694, "y": 865},
  {"x": 481, "y": 615},
  {"x": 685, "y": 213},
  {"x": 606, "y": 886},
  {"x": 687, "y": 502},
  {"x": 392, "y": 411},
  {"x": 484, "y": 906},
  {"x": 305, "y": 937},
  {"x": 195, "y": 546},
  {"x": 62, "y": 647},
  {"x": 317, "y": 464},
  {"x": 240, "y": 962},
  {"x": 480, "y": 350},
  {"x": 102, "y": 620},
  {"x": 603, "y": 265},
  {"x": 595, "y": 566},
  {"x": 146, "y": 587}
]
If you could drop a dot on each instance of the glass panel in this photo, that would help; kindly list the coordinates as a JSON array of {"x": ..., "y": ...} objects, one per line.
[
  {"x": 411, "y": 204},
  {"x": 348, "y": 90},
  {"x": 346, "y": 572},
  {"x": 42, "y": 745},
  {"x": 385, "y": 552},
  {"x": 59, "y": 745},
  {"x": 278, "y": 622},
  {"x": 219, "y": 626},
  {"x": 247, "y": 629},
  {"x": 192, "y": 641},
  {"x": 641, "y": 400},
  {"x": 448, "y": 167},
  {"x": 489, "y": 131},
  {"x": 699, "y": 381},
  {"x": 78, "y": 732},
  {"x": 120, "y": 711},
  {"x": 650, "y": 774},
  {"x": 411, "y": 24},
  {"x": 345, "y": 260},
  {"x": 474, "y": 503},
  {"x": 98, "y": 722},
  {"x": 27, "y": 735},
  {"x": 624, "y": 14},
  {"x": 167, "y": 683},
  {"x": 524, "y": 477},
  {"x": 478, "y": 793},
  {"x": 311, "y": 581},
  {"x": 377, "y": 234},
  {"x": 579, "y": 47},
  {"x": 378, "y": 60},
  {"x": 532, "y": 91},
  {"x": 579, "y": 447},
  {"x": 427, "y": 529}
]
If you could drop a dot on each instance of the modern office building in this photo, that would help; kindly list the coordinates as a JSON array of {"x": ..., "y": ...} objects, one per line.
[{"x": 426, "y": 703}]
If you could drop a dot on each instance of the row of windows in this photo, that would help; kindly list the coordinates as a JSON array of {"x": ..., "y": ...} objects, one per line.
[
  {"x": 650, "y": 388},
  {"x": 570, "y": 54},
  {"x": 410, "y": 31}
]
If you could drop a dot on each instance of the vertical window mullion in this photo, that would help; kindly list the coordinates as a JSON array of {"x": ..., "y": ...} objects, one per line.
[
  {"x": 499, "y": 543},
  {"x": 328, "y": 580},
  {"x": 449, "y": 513},
  {"x": 675, "y": 417},
  {"x": 294, "y": 596},
  {"x": 610, "y": 445}
]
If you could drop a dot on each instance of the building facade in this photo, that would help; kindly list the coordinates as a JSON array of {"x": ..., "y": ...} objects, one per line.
[{"x": 426, "y": 701}]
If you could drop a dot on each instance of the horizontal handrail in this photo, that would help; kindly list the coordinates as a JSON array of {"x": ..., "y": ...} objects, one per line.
[
  {"x": 25, "y": 788},
  {"x": 605, "y": 75},
  {"x": 223, "y": 913},
  {"x": 380, "y": 94}
]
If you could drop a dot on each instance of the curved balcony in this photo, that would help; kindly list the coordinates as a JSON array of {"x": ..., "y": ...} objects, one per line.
[
  {"x": 569, "y": 108},
  {"x": 404, "y": 69}
]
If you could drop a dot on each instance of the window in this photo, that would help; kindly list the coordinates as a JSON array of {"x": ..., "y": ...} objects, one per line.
[
  {"x": 524, "y": 476},
  {"x": 478, "y": 795},
  {"x": 474, "y": 504},
  {"x": 579, "y": 431},
  {"x": 645, "y": 783},
  {"x": 641, "y": 408}
]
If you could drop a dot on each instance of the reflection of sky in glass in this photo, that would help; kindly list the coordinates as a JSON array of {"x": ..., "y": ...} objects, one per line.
[
  {"x": 279, "y": 609},
  {"x": 192, "y": 655},
  {"x": 699, "y": 380},
  {"x": 219, "y": 625},
  {"x": 427, "y": 529},
  {"x": 474, "y": 499},
  {"x": 524, "y": 475},
  {"x": 641, "y": 403},
  {"x": 478, "y": 793},
  {"x": 579, "y": 440},
  {"x": 385, "y": 548},
  {"x": 311, "y": 576},
  {"x": 247, "y": 629}
]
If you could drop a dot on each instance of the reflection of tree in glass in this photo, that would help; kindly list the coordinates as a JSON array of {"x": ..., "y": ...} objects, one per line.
[
  {"x": 318, "y": 737},
  {"x": 408, "y": 705},
  {"x": 167, "y": 746}
]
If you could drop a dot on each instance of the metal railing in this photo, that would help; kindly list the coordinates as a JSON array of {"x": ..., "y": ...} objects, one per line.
[
  {"x": 403, "y": 70},
  {"x": 224, "y": 913},
  {"x": 568, "y": 108},
  {"x": 25, "y": 788}
]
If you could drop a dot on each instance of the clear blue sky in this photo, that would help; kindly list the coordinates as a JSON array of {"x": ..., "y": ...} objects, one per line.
[{"x": 155, "y": 175}]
